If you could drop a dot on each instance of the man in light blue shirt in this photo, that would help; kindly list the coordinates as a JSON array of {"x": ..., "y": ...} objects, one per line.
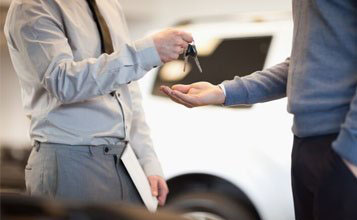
[{"x": 83, "y": 100}]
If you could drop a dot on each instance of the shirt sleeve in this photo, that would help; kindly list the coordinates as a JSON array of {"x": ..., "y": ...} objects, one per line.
[
  {"x": 260, "y": 86},
  {"x": 140, "y": 138},
  {"x": 39, "y": 37},
  {"x": 346, "y": 143},
  {"x": 221, "y": 86}
]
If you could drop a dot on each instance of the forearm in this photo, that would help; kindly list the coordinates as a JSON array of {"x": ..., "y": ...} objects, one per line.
[
  {"x": 261, "y": 86},
  {"x": 143, "y": 147},
  {"x": 140, "y": 138},
  {"x": 71, "y": 81}
]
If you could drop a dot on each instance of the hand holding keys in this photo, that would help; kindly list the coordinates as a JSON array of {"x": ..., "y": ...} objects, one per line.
[{"x": 191, "y": 51}]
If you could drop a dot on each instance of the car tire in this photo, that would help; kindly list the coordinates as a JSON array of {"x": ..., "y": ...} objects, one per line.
[{"x": 210, "y": 206}]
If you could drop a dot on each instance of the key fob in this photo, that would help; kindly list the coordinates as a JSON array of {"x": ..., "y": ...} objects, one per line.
[{"x": 191, "y": 50}]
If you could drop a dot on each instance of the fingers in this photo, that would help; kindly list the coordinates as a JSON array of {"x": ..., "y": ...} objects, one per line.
[
  {"x": 166, "y": 90},
  {"x": 163, "y": 191},
  {"x": 189, "y": 99},
  {"x": 171, "y": 43},
  {"x": 159, "y": 188},
  {"x": 178, "y": 98},
  {"x": 352, "y": 167},
  {"x": 154, "y": 186},
  {"x": 179, "y": 50},
  {"x": 182, "y": 88},
  {"x": 169, "y": 91},
  {"x": 180, "y": 101},
  {"x": 181, "y": 43},
  {"x": 186, "y": 36}
]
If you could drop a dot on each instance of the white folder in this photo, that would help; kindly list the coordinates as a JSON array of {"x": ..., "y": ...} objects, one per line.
[{"x": 139, "y": 178}]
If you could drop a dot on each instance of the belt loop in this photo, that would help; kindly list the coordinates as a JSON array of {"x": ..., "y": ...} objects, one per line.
[{"x": 37, "y": 146}]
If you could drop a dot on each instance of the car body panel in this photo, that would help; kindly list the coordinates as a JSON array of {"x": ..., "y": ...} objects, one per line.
[{"x": 249, "y": 147}]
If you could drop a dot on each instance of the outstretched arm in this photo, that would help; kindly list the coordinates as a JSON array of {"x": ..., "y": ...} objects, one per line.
[
  {"x": 37, "y": 34},
  {"x": 260, "y": 86}
]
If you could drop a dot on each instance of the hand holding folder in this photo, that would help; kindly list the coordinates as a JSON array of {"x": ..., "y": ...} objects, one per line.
[{"x": 139, "y": 178}]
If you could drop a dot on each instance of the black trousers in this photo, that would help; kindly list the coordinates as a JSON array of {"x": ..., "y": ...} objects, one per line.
[{"x": 323, "y": 186}]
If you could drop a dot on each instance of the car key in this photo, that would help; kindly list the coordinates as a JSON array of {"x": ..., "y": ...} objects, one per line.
[
  {"x": 185, "y": 62},
  {"x": 191, "y": 51}
]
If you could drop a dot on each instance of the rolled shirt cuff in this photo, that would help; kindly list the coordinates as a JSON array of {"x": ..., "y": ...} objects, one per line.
[
  {"x": 235, "y": 91},
  {"x": 147, "y": 53}
]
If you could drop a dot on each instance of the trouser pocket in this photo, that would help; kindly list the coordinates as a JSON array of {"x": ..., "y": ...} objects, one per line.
[
  {"x": 336, "y": 197},
  {"x": 41, "y": 173}
]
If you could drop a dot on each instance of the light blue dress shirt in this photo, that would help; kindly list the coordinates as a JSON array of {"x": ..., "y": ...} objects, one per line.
[{"x": 66, "y": 82}]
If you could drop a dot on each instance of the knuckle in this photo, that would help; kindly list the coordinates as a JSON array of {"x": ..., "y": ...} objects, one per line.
[{"x": 177, "y": 41}]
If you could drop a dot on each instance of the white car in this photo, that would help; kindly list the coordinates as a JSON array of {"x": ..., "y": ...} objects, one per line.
[{"x": 225, "y": 163}]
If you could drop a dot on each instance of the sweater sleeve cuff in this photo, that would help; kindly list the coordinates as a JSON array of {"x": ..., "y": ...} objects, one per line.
[
  {"x": 346, "y": 146},
  {"x": 148, "y": 56},
  {"x": 236, "y": 92}
]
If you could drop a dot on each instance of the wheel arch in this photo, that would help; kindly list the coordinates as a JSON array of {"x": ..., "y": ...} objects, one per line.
[{"x": 202, "y": 182}]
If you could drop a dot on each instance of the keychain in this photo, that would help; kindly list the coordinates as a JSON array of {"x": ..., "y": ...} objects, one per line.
[{"x": 191, "y": 51}]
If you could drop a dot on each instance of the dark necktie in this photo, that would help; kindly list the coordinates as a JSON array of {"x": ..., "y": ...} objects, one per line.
[{"x": 106, "y": 40}]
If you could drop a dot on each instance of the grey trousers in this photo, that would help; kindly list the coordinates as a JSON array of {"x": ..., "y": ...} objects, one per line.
[{"x": 79, "y": 173}]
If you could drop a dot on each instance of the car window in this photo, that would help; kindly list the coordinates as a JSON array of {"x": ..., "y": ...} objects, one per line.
[{"x": 231, "y": 57}]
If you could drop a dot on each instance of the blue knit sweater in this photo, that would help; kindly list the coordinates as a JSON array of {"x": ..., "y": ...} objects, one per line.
[{"x": 319, "y": 78}]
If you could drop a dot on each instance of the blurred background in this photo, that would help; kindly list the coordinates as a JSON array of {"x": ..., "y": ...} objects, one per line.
[{"x": 143, "y": 16}]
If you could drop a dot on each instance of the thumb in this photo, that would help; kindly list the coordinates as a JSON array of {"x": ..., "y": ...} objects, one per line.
[
  {"x": 154, "y": 186},
  {"x": 186, "y": 36},
  {"x": 182, "y": 88}
]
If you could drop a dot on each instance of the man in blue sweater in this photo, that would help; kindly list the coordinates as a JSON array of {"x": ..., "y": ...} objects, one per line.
[{"x": 320, "y": 81}]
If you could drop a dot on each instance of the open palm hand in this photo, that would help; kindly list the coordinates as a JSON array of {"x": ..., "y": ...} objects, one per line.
[{"x": 196, "y": 94}]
